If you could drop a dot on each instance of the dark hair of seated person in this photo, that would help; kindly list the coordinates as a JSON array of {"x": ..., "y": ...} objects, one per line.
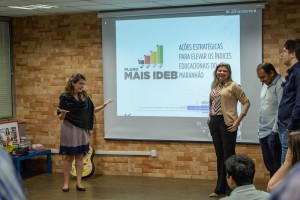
[{"x": 241, "y": 168}]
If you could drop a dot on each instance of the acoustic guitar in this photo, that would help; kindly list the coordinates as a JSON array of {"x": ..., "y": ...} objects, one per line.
[{"x": 88, "y": 165}]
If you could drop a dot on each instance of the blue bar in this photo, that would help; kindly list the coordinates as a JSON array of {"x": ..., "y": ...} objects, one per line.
[{"x": 197, "y": 108}]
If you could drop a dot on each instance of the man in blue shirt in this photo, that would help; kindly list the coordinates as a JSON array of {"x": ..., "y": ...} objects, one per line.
[
  {"x": 270, "y": 96},
  {"x": 289, "y": 108}
]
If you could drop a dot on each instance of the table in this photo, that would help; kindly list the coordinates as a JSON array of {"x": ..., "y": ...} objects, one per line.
[{"x": 17, "y": 159}]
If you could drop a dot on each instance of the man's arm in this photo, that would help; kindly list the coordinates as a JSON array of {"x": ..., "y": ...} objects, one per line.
[
  {"x": 279, "y": 92},
  {"x": 281, "y": 172}
]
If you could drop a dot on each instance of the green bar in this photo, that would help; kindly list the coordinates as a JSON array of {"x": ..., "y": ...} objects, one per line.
[{"x": 160, "y": 54}]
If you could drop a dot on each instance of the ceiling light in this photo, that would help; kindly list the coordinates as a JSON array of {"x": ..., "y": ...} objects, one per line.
[{"x": 32, "y": 7}]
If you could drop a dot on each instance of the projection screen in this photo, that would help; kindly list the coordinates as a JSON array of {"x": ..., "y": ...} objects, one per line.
[{"x": 158, "y": 67}]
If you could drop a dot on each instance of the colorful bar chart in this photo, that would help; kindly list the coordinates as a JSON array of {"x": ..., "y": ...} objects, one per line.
[{"x": 154, "y": 59}]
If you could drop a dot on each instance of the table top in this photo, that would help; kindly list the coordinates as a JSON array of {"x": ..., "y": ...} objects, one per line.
[{"x": 32, "y": 154}]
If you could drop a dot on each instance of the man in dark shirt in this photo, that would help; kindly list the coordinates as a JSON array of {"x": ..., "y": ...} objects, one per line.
[{"x": 289, "y": 107}]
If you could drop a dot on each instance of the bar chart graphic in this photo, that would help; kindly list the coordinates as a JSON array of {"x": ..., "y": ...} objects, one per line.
[{"x": 154, "y": 59}]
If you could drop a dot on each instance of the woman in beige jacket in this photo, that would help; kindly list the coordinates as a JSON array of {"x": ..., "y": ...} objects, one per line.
[{"x": 224, "y": 120}]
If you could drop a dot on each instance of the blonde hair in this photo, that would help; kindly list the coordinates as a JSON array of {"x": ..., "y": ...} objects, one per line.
[{"x": 216, "y": 81}]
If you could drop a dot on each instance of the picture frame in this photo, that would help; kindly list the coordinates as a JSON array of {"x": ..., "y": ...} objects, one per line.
[{"x": 9, "y": 133}]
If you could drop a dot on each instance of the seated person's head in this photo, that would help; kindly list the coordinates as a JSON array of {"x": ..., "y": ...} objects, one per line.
[
  {"x": 240, "y": 171},
  {"x": 294, "y": 145}
]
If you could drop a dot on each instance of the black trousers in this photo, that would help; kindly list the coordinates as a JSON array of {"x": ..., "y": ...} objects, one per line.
[{"x": 224, "y": 143}]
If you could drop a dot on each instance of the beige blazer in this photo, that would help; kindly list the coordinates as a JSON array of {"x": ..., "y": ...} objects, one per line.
[{"x": 230, "y": 95}]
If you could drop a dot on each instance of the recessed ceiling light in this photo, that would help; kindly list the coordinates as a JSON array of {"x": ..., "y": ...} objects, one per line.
[{"x": 32, "y": 7}]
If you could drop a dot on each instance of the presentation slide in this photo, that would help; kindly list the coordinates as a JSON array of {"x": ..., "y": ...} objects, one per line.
[
  {"x": 158, "y": 68},
  {"x": 161, "y": 66}
]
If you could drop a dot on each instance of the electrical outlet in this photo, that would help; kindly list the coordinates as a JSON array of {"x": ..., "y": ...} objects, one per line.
[{"x": 153, "y": 153}]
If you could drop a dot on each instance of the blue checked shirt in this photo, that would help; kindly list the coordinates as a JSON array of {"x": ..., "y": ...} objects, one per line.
[{"x": 270, "y": 98}]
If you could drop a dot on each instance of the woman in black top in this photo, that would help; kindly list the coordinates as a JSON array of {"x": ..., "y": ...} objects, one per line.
[{"x": 76, "y": 110}]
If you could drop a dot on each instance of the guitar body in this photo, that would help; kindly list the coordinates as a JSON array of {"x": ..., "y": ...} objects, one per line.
[{"x": 88, "y": 165}]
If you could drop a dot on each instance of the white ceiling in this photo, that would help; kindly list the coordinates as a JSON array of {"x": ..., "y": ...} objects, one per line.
[{"x": 82, "y": 6}]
